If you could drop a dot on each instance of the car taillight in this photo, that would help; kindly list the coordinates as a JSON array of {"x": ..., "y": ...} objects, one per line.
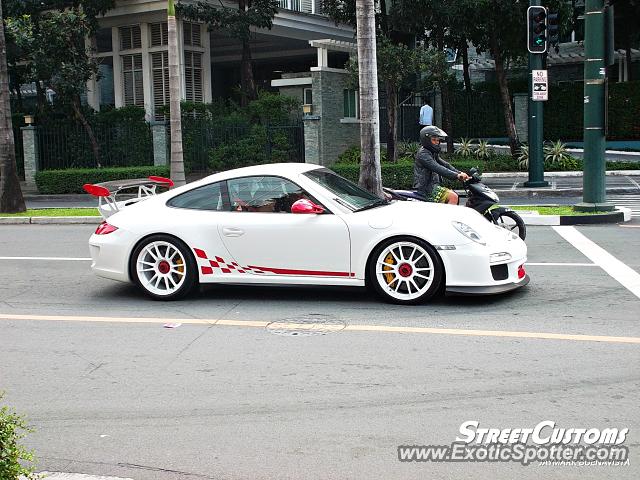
[
  {"x": 521, "y": 272},
  {"x": 104, "y": 228}
]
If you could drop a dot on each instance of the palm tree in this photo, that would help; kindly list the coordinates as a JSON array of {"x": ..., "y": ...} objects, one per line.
[
  {"x": 11, "y": 200},
  {"x": 175, "y": 120},
  {"x": 370, "y": 175}
]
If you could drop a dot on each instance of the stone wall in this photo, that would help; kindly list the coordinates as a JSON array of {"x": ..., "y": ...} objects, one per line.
[{"x": 327, "y": 133}]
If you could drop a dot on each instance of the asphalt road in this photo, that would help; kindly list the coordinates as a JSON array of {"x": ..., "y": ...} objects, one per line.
[{"x": 247, "y": 402}]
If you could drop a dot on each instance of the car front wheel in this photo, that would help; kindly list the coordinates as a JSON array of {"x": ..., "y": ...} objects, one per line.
[
  {"x": 405, "y": 271},
  {"x": 163, "y": 267}
]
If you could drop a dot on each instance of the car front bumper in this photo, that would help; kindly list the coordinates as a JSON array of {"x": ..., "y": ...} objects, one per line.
[{"x": 488, "y": 290}]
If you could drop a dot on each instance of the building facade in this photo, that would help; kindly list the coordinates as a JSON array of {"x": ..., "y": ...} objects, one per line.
[{"x": 131, "y": 47}]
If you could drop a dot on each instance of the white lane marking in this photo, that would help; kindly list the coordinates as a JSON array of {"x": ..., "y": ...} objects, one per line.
[
  {"x": 622, "y": 273},
  {"x": 349, "y": 328},
  {"x": 62, "y": 259},
  {"x": 549, "y": 264},
  {"x": 514, "y": 186},
  {"x": 633, "y": 181}
]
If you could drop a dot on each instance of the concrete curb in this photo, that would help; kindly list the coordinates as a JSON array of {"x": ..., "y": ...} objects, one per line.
[
  {"x": 622, "y": 214},
  {"x": 50, "y": 220}
]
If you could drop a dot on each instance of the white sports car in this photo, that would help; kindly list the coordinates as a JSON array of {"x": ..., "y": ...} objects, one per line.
[{"x": 298, "y": 224}]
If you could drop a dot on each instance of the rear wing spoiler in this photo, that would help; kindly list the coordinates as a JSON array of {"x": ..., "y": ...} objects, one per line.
[{"x": 115, "y": 195}]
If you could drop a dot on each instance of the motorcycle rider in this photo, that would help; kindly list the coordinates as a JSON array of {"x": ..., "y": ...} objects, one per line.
[{"x": 429, "y": 168}]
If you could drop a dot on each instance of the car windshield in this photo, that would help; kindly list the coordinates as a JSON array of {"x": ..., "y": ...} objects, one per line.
[{"x": 347, "y": 193}]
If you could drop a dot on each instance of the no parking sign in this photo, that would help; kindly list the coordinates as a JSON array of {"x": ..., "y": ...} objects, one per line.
[{"x": 539, "y": 86}]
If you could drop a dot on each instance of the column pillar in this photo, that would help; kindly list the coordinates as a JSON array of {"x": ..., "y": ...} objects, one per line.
[
  {"x": 30, "y": 152},
  {"x": 160, "y": 148}
]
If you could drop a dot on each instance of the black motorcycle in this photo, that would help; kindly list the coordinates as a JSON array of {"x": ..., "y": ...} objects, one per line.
[{"x": 479, "y": 197}]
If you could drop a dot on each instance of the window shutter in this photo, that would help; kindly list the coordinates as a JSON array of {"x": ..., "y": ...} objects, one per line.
[
  {"x": 307, "y": 5},
  {"x": 159, "y": 34},
  {"x": 160, "y": 81},
  {"x": 193, "y": 76},
  {"x": 125, "y": 38},
  {"x": 130, "y": 37},
  {"x": 186, "y": 32},
  {"x": 132, "y": 79},
  {"x": 136, "y": 36},
  {"x": 196, "y": 35}
]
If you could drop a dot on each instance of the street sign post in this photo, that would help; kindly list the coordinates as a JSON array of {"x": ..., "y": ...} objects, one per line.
[
  {"x": 537, "y": 45},
  {"x": 539, "y": 86}
]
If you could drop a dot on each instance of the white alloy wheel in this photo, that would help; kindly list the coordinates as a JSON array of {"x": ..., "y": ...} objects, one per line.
[
  {"x": 161, "y": 268},
  {"x": 406, "y": 271}
]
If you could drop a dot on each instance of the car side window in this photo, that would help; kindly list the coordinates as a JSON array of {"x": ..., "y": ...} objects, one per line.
[
  {"x": 207, "y": 197},
  {"x": 264, "y": 194}
]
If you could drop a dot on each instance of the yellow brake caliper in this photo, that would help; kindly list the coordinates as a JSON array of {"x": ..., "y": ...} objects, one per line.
[
  {"x": 389, "y": 277},
  {"x": 180, "y": 265}
]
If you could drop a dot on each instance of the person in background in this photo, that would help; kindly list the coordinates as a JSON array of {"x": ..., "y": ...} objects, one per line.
[
  {"x": 429, "y": 168},
  {"x": 426, "y": 115}
]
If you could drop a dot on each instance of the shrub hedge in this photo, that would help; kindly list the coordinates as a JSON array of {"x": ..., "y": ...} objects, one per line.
[
  {"x": 54, "y": 182},
  {"x": 400, "y": 174}
]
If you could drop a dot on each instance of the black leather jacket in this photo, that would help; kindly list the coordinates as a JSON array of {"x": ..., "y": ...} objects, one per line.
[{"x": 428, "y": 170}]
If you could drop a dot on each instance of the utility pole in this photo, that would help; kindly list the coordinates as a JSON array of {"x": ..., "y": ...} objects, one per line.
[
  {"x": 595, "y": 72},
  {"x": 537, "y": 46}
]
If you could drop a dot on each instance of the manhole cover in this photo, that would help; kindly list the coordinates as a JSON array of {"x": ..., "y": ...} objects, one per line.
[{"x": 306, "y": 325}]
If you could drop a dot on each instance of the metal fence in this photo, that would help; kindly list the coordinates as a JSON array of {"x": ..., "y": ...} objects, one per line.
[
  {"x": 67, "y": 145},
  {"x": 209, "y": 146}
]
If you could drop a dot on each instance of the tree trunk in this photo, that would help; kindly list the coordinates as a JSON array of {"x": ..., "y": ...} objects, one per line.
[
  {"x": 247, "y": 82},
  {"x": 627, "y": 55},
  {"x": 75, "y": 104},
  {"x": 447, "y": 113},
  {"x": 370, "y": 172},
  {"x": 248, "y": 89},
  {"x": 464, "y": 49},
  {"x": 41, "y": 97},
  {"x": 392, "y": 122},
  {"x": 505, "y": 97},
  {"x": 11, "y": 200},
  {"x": 175, "y": 119}
]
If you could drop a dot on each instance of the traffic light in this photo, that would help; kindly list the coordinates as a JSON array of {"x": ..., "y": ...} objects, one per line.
[
  {"x": 553, "y": 34},
  {"x": 536, "y": 29}
]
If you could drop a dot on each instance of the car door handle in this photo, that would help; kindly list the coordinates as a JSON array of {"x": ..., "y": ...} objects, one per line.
[{"x": 232, "y": 232}]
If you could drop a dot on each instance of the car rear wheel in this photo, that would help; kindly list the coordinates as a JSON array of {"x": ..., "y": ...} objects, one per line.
[
  {"x": 164, "y": 267},
  {"x": 405, "y": 271}
]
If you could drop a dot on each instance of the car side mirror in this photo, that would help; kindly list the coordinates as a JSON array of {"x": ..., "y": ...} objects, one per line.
[{"x": 305, "y": 205}]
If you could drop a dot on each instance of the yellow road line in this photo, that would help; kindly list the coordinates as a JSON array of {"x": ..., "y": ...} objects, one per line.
[{"x": 329, "y": 327}]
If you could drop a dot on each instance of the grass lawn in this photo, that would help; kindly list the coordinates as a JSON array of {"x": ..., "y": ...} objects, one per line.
[
  {"x": 553, "y": 210},
  {"x": 56, "y": 212}
]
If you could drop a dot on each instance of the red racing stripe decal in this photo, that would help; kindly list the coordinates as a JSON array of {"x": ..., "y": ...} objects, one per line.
[{"x": 316, "y": 273}]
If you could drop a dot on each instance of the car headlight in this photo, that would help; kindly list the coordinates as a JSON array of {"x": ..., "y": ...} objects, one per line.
[{"x": 468, "y": 232}]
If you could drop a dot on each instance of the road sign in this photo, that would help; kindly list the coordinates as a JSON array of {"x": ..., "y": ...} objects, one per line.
[{"x": 540, "y": 86}]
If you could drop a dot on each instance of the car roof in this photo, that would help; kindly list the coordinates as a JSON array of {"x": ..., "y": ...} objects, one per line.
[{"x": 264, "y": 169}]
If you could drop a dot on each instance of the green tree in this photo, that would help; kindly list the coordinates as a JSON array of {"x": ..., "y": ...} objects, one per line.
[
  {"x": 51, "y": 40},
  {"x": 238, "y": 22},
  {"x": 11, "y": 200}
]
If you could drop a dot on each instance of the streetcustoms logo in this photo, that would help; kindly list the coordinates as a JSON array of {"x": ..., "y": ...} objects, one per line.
[{"x": 546, "y": 444}]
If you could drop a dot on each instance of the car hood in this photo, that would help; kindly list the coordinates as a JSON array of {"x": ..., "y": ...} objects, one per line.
[{"x": 426, "y": 217}]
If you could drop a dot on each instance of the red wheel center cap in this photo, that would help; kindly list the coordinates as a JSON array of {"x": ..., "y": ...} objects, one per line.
[
  {"x": 164, "y": 267},
  {"x": 405, "y": 270}
]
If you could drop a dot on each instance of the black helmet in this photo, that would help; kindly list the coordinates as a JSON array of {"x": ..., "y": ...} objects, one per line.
[{"x": 430, "y": 131}]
